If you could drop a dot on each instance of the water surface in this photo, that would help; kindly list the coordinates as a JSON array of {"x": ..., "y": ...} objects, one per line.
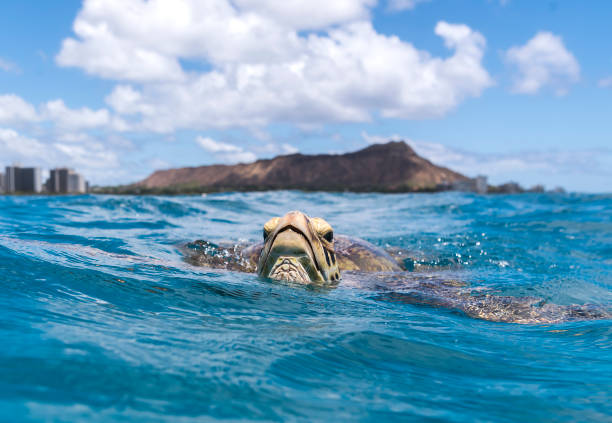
[{"x": 102, "y": 320}]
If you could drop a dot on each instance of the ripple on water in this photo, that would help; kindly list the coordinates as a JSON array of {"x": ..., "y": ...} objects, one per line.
[{"x": 105, "y": 321}]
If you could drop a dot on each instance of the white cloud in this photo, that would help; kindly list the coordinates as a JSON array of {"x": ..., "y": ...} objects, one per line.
[
  {"x": 309, "y": 14},
  {"x": 87, "y": 153},
  {"x": 379, "y": 74},
  {"x": 14, "y": 109},
  {"x": 543, "y": 61},
  {"x": 228, "y": 153},
  {"x": 142, "y": 41},
  {"x": 17, "y": 147},
  {"x": 74, "y": 137},
  {"x": 399, "y": 5},
  {"x": 126, "y": 100},
  {"x": 94, "y": 155},
  {"x": 288, "y": 149},
  {"x": 260, "y": 65},
  {"x": 605, "y": 82},
  {"x": 82, "y": 118},
  {"x": 213, "y": 146}
]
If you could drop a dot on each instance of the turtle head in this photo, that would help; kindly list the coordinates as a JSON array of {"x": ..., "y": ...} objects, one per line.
[{"x": 298, "y": 248}]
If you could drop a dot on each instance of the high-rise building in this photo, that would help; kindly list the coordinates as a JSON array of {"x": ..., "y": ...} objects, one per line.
[
  {"x": 76, "y": 183},
  {"x": 22, "y": 179},
  {"x": 58, "y": 180},
  {"x": 64, "y": 180},
  {"x": 1, "y": 182},
  {"x": 9, "y": 179}
]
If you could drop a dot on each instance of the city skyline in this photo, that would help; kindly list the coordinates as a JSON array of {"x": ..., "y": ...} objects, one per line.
[
  {"x": 511, "y": 89},
  {"x": 60, "y": 180}
]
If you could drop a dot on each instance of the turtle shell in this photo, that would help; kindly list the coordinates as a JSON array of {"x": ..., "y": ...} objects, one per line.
[{"x": 360, "y": 255}]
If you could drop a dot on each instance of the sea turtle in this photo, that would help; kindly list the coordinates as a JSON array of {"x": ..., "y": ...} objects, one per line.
[{"x": 300, "y": 249}]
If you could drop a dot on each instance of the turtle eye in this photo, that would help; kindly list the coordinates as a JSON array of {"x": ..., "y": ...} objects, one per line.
[
  {"x": 270, "y": 226},
  {"x": 323, "y": 228}
]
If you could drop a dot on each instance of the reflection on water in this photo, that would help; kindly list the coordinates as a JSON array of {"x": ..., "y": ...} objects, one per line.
[{"x": 104, "y": 320}]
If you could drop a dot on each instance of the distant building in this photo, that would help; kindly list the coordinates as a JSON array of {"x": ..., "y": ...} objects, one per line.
[
  {"x": 58, "y": 180},
  {"x": 1, "y": 182},
  {"x": 478, "y": 184},
  {"x": 76, "y": 183},
  {"x": 507, "y": 188},
  {"x": 22, "y": 179},
  {"x": 66, "y": 181},
  {"x": 481, "y": 184},
  {"x": 539, "y": 189}
]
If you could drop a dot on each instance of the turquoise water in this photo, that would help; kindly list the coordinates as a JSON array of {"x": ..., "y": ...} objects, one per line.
[{"x": 102, "y": 320}]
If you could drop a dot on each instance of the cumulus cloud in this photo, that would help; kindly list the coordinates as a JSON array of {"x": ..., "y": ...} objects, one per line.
[
  {"x": 543, "y": 61},
  {"x": 17, "y": 147},
  {"x": 228, "y": 153},
  {"x": 379, "y": 73},
  {"x": 83, "y": 118},
  {"x": 213, "y": 146},
  {"x": 14, "y": 109},
  {"x": 94, "y": 155},
  {"x": 143, "y": 41},
  {"x": 312, "y": 14},
  {"x": 264, "y": 64}
]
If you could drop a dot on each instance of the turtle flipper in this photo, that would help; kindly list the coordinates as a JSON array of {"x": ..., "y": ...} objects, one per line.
[
  {"x": 480, "y": 304},
  {"x": 207, "y": 254}
]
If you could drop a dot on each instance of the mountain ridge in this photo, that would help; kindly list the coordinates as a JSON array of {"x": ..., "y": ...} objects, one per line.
[{"x": 390, "y": 167}]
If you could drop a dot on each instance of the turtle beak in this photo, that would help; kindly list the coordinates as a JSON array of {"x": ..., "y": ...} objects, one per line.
[{"x": 289, "y": 252}]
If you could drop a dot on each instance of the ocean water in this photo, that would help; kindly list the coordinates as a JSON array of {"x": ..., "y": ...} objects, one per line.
[{"x": 101, "y": 319}]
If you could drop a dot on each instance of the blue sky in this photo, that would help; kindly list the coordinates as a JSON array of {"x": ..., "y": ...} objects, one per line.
[{"x": 517, "y": 90}]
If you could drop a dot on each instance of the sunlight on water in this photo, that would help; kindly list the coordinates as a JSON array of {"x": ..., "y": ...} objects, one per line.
[{"x": 102, "y": 319}]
